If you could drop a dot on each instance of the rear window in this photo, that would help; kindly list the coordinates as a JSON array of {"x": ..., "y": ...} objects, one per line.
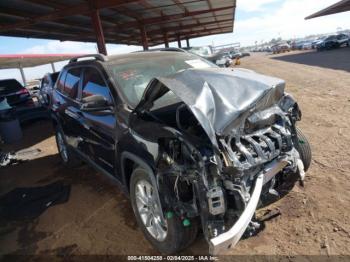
[
  {"x": 54, "y": 77},
  {"x": 9, "y": 86},
  {"x": 60, "y": 83},
  {"x": 68, "y": 83},
  {"x": 72, "y": 82}
]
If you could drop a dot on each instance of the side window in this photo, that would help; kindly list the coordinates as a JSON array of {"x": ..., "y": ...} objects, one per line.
[
  {"x": 93, "y": 84},
  {"x": 45, "y": 82},
  {"x": 60, "y": 82},
  {"x": 72, "y": 82}
]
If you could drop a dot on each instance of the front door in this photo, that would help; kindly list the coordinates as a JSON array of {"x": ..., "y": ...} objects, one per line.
[{"x": 99, "y": 135}]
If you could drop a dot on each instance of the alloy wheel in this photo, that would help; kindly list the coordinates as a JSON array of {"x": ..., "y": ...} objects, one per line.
[{"x": 149, "y": 209}]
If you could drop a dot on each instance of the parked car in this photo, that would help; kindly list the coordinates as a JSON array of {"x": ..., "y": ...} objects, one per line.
[
  {"x": 317, "y": 41},
  {"x": 333, "y": 41},
  {"x": 280, "y": 48},
  {"x": 307, "y": 45},
  {"x": 302, "y": 45},
  {"x": 46, "y": 87},
  {"x": 235, "y": 54},
  {"x": 220, "y": 59},
  {"x": 21, "y": 100},
  {"x": 193, "y": 145},
  {"x": 15, "y": 93}
]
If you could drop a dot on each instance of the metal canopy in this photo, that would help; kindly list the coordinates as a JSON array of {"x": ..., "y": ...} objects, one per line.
[
  {"x": 131, "y": 22},
  {"x": 21, "y": 61},
  {"x": 25, "y": 60},
  {"x": 339, "y": 7}
]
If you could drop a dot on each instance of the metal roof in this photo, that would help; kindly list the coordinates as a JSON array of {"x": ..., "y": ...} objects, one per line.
[
  {"x": 121, "y": 19},
  {"x": 28, "y": 60},
  {"x": 338, "y": 7}
]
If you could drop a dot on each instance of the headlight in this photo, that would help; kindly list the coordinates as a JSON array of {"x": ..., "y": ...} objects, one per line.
[{"x": 180, "y": 152}]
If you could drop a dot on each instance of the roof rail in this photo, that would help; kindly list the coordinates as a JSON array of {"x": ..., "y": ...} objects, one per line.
[
  {"x": 171, "y": 49},
  {"x": 98, "y": 57}
]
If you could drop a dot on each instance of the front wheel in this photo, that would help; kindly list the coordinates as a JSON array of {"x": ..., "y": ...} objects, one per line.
[
  {"x": 304, "y": 149},
  {"x": 166, "y": 233}
]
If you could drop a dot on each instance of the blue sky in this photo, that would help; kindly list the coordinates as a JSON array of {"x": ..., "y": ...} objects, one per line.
[{"x": 256, "y": 20}]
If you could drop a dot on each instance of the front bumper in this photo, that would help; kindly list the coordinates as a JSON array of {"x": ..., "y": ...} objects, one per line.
[{"x": 221, "y": 243}]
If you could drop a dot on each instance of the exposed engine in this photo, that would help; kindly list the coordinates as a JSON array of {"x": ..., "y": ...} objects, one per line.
[{"x": 221, "y": 160}]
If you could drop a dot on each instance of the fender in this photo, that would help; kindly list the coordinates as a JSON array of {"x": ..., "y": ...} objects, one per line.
[{"x": 136, "y": 159}]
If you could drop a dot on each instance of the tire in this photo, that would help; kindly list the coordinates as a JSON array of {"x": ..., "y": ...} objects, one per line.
[
  {"x": 304, "y": 149},
  {"x": 47, "y": 101},
  {"x": 178, "y": 237},
  {"x": 68, "y": 158}
]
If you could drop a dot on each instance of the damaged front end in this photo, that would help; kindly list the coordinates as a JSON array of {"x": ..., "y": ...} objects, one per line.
[{"x": 233, "y": 140}]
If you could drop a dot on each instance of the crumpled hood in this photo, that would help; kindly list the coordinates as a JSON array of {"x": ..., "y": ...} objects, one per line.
[{"x": 219, "y": 98}]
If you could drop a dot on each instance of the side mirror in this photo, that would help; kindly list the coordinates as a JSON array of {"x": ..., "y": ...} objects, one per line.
[{"x": 95, "y": 103}]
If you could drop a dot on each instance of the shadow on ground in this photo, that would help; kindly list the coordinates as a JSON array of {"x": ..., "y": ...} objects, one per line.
[
  {"x": 338, "y": 59},
  {"x": 33, "y": 134}
]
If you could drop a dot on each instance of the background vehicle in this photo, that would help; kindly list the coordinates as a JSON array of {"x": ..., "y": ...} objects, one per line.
[
  {"x": 46, "y": 88},
  {"x": 220, "y": 59},
  {"x": 280, "y": 48},
  {"x": 235, "y": 54},
  {"x": 317, "y": 41},
  {"x": 15, "y": 93},
  {"x": 183, "y": 138},
  {"x": 333, "y": 41}
]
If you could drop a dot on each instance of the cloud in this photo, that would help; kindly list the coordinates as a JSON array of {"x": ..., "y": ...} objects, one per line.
[
  {"x": 70, "y": 47},
  {"x": 254, "y": 5},
  {"x": 288, "y": 21}
]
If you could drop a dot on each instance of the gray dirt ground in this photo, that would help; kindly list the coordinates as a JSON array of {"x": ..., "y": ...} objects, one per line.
[{"x": 98, "y": 219}]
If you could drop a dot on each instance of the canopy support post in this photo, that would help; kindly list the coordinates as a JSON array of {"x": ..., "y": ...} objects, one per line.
[
  {"x": 166, "y": 40},
  {"x": 53, "y": 67},
  {"x": 22, "y": 74},
  {"x": 144, "y": 37},
  {"x": 96, "y": 22},
  {"x": 187, "y": 42},
  {"x": 178, "y": 41}
]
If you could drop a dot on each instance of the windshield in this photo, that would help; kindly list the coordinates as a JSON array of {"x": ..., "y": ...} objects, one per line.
[{"x": 134, "y": 74}]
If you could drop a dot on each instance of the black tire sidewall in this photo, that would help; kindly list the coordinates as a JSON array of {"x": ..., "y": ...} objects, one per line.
[
  {"x": 304, "y": 149},
  {"x": 175, "y": 229},
  {"x": 72, "y": 159},
  {"x": 59, "y": 131}
]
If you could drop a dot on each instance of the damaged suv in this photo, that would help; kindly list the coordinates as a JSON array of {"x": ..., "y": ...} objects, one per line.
[{"x": 193, "y": 145}]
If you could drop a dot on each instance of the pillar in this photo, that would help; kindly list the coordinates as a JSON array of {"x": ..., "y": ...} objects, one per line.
[{"x": 96, "y": 22}]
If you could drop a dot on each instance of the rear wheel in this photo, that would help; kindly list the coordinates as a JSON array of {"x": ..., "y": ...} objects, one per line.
[
  {"x": 67, "y": 156},
  {"x": 165, "y": 232}
]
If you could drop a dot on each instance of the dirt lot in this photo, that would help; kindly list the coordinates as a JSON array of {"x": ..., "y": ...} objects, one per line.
[{"x": 98, "y": 219}]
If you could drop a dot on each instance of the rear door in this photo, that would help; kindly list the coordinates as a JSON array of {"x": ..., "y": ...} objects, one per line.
[
  {"x": 66, "y": 105},
  {"x": 99, "y": 126}
]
